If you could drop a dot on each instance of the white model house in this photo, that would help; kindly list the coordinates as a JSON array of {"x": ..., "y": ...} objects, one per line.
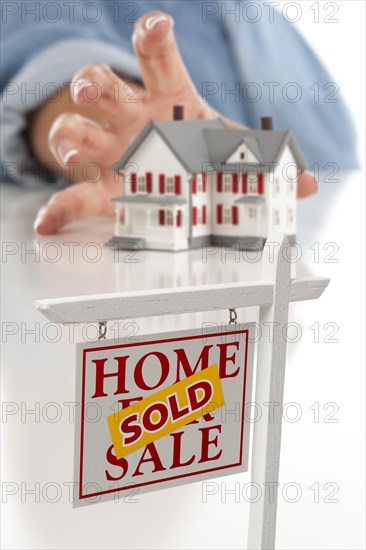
[{"x": 190, "y": 182}]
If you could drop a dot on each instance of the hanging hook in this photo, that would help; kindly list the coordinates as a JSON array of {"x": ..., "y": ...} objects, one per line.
[
  {"x": 102, "y": 330},
  {"x": 233, "y": 316}
]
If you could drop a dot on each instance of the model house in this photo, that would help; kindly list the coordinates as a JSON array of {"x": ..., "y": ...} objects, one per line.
[{"x": 190, "y": 182}]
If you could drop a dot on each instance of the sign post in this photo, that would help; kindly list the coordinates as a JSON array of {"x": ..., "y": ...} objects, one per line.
[
  {"x": 163, "y": 408},
  {"x": 269, "y": 390}
]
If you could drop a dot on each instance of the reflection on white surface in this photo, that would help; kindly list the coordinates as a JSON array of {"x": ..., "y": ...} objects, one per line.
[{"x": 38, "y": 375}]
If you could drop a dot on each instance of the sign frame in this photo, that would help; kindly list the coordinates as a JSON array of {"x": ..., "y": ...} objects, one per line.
[{"x": 272, "y": 294}]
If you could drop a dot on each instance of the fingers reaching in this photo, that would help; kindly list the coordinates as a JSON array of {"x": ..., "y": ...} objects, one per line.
[{"x": 79, "y": 201}]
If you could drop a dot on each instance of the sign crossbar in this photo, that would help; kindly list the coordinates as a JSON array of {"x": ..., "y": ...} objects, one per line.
[{"x": 171, "y": 301}]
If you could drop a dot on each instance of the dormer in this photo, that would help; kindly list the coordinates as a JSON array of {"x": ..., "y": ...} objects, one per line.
[{"x": 242, "y": 153}]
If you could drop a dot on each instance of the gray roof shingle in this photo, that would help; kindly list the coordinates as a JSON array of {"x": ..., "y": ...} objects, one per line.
[
  {"x": 195, "y": 142},
  {"x": 266, "y": 145}
]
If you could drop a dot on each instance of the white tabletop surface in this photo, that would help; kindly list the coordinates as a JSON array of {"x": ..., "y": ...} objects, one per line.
[{"x": 322, "y": 452}]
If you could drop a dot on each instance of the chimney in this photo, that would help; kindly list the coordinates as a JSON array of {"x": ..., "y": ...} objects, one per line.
[
  {"x": 266, "y": 123},
  {"x": 178, "y": 112}
]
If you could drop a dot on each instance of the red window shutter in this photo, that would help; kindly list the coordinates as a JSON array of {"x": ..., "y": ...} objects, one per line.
[
  {"x": 177, "y": 180},
  {"x": 204, "y": 181},
  {"x": 149, "y": 182},
  {"x": 219, "y": 213},
  {"x": 161, "y": 217},
  {"x": 260, "y": 184},
  {"x": 194, "y": 184},
  {"x": 194, "y": 215},
  {"x": 245, "y": 183},
  {"x": 235, "y": 183},
  {"x": 235, "y": 215},
  {"x": 204, "y": 216},
  {"x": 219, "y": 182},
  {"x": 161, "y": 184},
  {"x": 133, "y": 182},
  {"x": 179, "y": 218}
]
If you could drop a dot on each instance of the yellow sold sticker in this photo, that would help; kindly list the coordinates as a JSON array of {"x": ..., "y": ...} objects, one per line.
[{"x": 165, "y": 411}]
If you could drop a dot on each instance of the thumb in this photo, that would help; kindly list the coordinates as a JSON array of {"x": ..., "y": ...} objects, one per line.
[{"x": 76, "y": 202}]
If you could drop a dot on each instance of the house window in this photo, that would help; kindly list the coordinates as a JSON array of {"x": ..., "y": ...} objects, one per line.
[
  {"x": 169, "y": 217},
  {"x": 199, "y": 215},
  {"x": 290, "y": 215},
  {"x": 252, "y": 184},
  {"x": 276, "y": 217},
  {"x": 169, "y": 185},
  {"x": 276, "y": 187},
  {"x": 201, "y": 183},
  {"x": 290, "y": 188},
  {"x": 141, "y": 184},
  {"x": 227, "y": 182},
  {"x": 242, "y": 151},
  {"x": 252, "y": 212},
  {"x": 227, "y": 214},
  {"x": 199, "y": 186},
  {"x": 166, "y": 217}
]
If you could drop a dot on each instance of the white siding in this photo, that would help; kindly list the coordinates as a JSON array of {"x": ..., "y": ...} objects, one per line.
[
  {"x": 246, "y": 226},
  {"x": 153, "y": 155},
  {"x": 200, "y": 199},
  {"x": 248, "y": 155},
  {"x": 282, "y": 195}
]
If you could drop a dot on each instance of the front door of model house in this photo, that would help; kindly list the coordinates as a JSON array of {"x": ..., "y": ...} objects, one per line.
[
  {"x": 252, "y": 220},
  {"x": 139, "y": 222}
]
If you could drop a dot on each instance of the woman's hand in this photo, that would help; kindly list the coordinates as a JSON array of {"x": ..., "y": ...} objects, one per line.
[{"x": 120, "y": 110}]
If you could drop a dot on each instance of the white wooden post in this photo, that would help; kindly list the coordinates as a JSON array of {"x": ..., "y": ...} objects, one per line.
[{"x": 269, "y": 396}]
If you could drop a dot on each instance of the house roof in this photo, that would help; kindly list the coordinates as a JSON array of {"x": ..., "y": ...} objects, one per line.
[
  {"x": 195, "y": 142},
  {"x": 266, "y": 145},
  {"x": 184, "y": 137}
]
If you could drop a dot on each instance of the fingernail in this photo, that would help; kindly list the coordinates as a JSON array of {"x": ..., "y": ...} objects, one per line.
[
  {"x": 152, "y": 21},
  {"x": 39, "y": 222},
  {"x": 66, "y": 150},
  {"x": 79, "y": 88}
]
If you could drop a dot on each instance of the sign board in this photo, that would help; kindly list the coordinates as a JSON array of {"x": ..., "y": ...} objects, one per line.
[{"x": 161, "y": 410}]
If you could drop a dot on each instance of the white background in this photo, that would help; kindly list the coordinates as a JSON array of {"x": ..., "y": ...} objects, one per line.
[{"x": 312, "y": 452}]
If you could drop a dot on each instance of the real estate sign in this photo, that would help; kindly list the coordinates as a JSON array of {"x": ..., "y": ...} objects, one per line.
[{"x": 161, "y": 410}]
